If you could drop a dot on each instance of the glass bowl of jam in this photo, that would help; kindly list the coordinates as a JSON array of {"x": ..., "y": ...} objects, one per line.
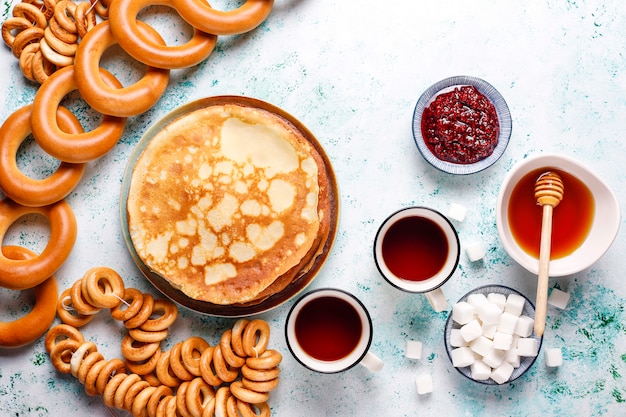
[
  {"x": 461, "y": 125},
  {"x": 584, "y": 223}
]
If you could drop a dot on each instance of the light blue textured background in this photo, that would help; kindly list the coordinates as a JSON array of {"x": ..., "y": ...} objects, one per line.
[{"x": 352, "y": 72}]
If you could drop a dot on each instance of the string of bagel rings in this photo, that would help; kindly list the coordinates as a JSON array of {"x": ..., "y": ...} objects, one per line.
[
  {"x": 59, "y": 45},
  {"x": 232, "y": 378}
]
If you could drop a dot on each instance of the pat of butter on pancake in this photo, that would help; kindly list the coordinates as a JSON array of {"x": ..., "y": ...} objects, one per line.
[{"x": 223, "y": 201}]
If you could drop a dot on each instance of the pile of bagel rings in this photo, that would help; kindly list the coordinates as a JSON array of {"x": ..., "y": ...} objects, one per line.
[
  {"x": 66, "y": 41},
  {"x": 234, "y": 378}
]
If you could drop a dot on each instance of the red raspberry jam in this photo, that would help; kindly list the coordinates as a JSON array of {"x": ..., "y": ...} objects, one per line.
[{"x": 461, "y": 126}]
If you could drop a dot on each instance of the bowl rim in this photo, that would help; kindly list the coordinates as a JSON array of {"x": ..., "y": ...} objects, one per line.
[
  {"x": 611, "y": 215},
  {"x": 529, "y": 308},
  {"x": 502, "y": 110}
]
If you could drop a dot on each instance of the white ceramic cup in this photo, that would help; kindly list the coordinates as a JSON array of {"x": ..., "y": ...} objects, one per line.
[
  {"x": 439, "y": 227},
  {"x": 314, "y": 318}
]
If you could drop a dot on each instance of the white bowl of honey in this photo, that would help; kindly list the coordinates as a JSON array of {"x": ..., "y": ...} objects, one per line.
[{"x": 584, "y": 225}]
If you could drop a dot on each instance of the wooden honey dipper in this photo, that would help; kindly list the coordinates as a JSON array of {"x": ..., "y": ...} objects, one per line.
[{"x": 549, "y": 192}]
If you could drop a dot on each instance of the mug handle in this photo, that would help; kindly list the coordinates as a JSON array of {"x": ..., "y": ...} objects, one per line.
[
  {"x": 372, "y": 362},
  {"x": 437, "y": 300}
]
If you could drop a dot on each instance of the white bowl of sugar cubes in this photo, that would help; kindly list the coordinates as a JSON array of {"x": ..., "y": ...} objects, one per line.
[{"x": 489, "y": 335}]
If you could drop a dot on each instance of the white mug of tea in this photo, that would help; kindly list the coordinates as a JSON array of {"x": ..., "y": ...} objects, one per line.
[
  {"x": 329, "y": 330},
  {"x": 417, "y": 250}
]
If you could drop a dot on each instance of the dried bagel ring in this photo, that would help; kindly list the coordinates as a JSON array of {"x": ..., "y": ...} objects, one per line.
[
  {"x": 85, "y": 18},
  {"x": 123, "y": 102},
  {"x": 148, "y": 337},
  {"x": 228, "y": 352},
  {"x": 176, "y": 363},
  {"x": 12, "y": 24},
  {"x": 207, "y": 368},
  {"x": 63, "y": 332},
  {"x": 247, "y": 395},
  {"x": 123, "y": 21},
  {"x": 81, "y": 303},
  {"x": 162, "y": 391},
  {"x": 138, "y": 351},
  {"x": 21, "y": 188},
  {"x": 122, "y": 389},
  {"x": 132, "y": 394},
  {"x": 143, "y": 314},
  {"x": 221, "y": 400},
  {"x": 108, "y": 395},
  {"x": 100, "y": 8},
  {"x": 67, "y": 49},
  {"x": 112, "y": 368},
  {"x": 247, "y": 409},
  {"x": 61, "y": 33},
  {"x": 27, "y": 36},
  {"x": 104, "y": 287},
  {"x": 236, "y": 339},
  {"x": 64, "y": 13},
  {"x": 260, "y": 386},
  {"x": 86, "y": 364},
  {"x": 140, "y": 402},
  {"x": 79, "y": 355},
  {"x": 61, "y": 355},
  {"x": 68, "y": 314},
  {"x": 76, "y": 148},
  {"x": 133, "y": 300},
  {"x": 198, "y": 395},
  {"x": 256, "y": 336},
  {"x": 268, "y": 360},
  {"x": 259, "y": 375},
  {"x": 33, "y": 325},
  {"x": 223, "y": 370},
  {"x": 144, "y": 367},
  {"x": 191, "y": 352},
  {"x": 164, "y": 371},
  {"x": 26, "y": 60},
  {"x": 42, "y": 68},
  {"x": 26, "y": 273},
  {"x": 53, "y": 56},
  {"x": 92, "y": 377},
  {"x": 248, "y": 16},
  {"x": 165, "y": 320},
  {"x": 31, "y": 13}
]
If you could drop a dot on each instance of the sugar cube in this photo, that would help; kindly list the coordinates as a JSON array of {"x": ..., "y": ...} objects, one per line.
[
  {"x": 477, "y": 300},
  {"x": 413, "y": 349},
  {"x": 480, "y": 371},
  {"x": 457, "y": 212},
  {"x": 494, "y": 358},
  {"x": 456, "y": 340},
  {"x": 489, "y": 313},
  {"x": 497, "y": 299},
  {"x": 471, "y": 330},
  {"x": 515, "y": 304},
  {"x": 502, "y": 373},
  {"x": 558, "y": 298},
  {"x": 424, "y": 384},
  {"x": 527, "y": 346},
  {"x": 463, "y": 312},
  {"x": 553, "y": 357},
  {"x": 475, "y": 251},
  {"x": 524, "y": 326},
  {"x": 489, "y": 330},
  {"x": 462, "y": 357},
  {"x": 481, "y": 345},
  {"x": 502, "y": 341},
  {"x": 508, "y": 323},
  {"x": 512, "y": 357}
]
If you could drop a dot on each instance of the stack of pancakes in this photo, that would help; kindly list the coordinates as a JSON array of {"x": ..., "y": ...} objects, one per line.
[{"x": 229, "y": 204}]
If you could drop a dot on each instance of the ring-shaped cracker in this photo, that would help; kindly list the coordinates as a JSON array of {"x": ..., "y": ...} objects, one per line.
[
  {"x": 133, "y": 300},
  {"x": 247, "y": 395},
  {"x": 53, "y": 56},
  {"x": 122, "y": 102},
  {"x": 65, "y": 14},
  {"x": 33, "y": 325},
  {"x": 104, "y": 286},
  {"x": 67, "y": 312},
  {"x": 138, "y": 351},
  {"x": 80, "y": 302},
  {"x": 108, "y": 395},
  {"x": 61, "y": 332},
  {"x": 13, "y": 24},
  {"x": 228, "y": 352},
  {"x": 191, "y": 352},
  {"x": 198, "y": 395},
  {"x": 122, "y": 389},
  {"x": 92, "y": 376},
  {"x": 42, "y": 69},
  {"x": 85, "y": 18},
  {"x": 256, "y": 336},
  {"x": 247, "y": 409},
  {"x": 64, "y": 48},
  {"x": 268, "y": 360},
  {"x": 143, "y": 314},
  {"x": 148, "y": 337},
  {"x": 207, "y": 368},
  {"x": 236, "y": 339},
  {"x": 132, "y": 394},
  {"x": 85, "y": 366},
  {"x": 61, "y": 33},
  {"x": 165, "y": 320},
  {"x": 259, "y": 375},
  {"x": 113, "y": 367},
  {"x": 177, "y": 365},
  {"x": 61, "y": 354},
  {"x": 164, "y": 371},
  {"x": 140, "y": 402},
  {"x": 30, "y": 12},
  {"x": 26, "y": 273},
  {"x": 246, "y": 17},
  {"x": 76, "y": 148},
  {"x": 260, "y": 386},
  {"x": 79, "y": 355},
  {"x": 144, "y": 367},
  {"x": 19, "y": 187},
  {"x": 26, "y": 60},
  {"x": 123, "y": 21},
  {"x": 161, "y": 392},
  {"x": 27, "y": 36},
  {"x": 223, "y": 370}
]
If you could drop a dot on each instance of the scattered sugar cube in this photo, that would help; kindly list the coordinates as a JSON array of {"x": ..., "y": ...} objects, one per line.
[
  {"x": 502, "y": 341},
  {"x": 489, "y": 313},
  {"x": 480, "y": 371},
  {"x": 463, "y": 312},
  {"x": 489, "y": 330},
  {"x": 553, "y": 357},
  {"x": 481, "y": 345},
  {"x": 462, "y": 357},
  {"x": 477, "y": 300},
  {"x": 475, "y": 251},
  {"x": 515, "y": 304},
  {"x": 527, "y": 346},
  {"x": 512, "y": 357},
  {"x": 502, "y": 373},
  {"x": 558, "y": 298},
  {"x": 471, "y": 330},
  {"x": 497, "y": 299},
  {"x": 457, "y": 212},
  {"x": 494, "y": 358},
  {"x": 524, "y": 326},
  {"x": 456, "y": 340},
  {"x": 424, "y": 384},
  {"x": 508, "y": 323},
  {"x": 413, "y": 349}
]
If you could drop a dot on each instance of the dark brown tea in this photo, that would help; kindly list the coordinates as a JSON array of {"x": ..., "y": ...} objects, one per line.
[
  {"x": 415, "y": 248},
  {"x": 328, "y": 328},
  {"x": 571, "y": 219}
]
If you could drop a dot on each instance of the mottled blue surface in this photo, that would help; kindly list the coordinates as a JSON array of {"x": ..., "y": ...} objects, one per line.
[{"x": 352, "y": 72}]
